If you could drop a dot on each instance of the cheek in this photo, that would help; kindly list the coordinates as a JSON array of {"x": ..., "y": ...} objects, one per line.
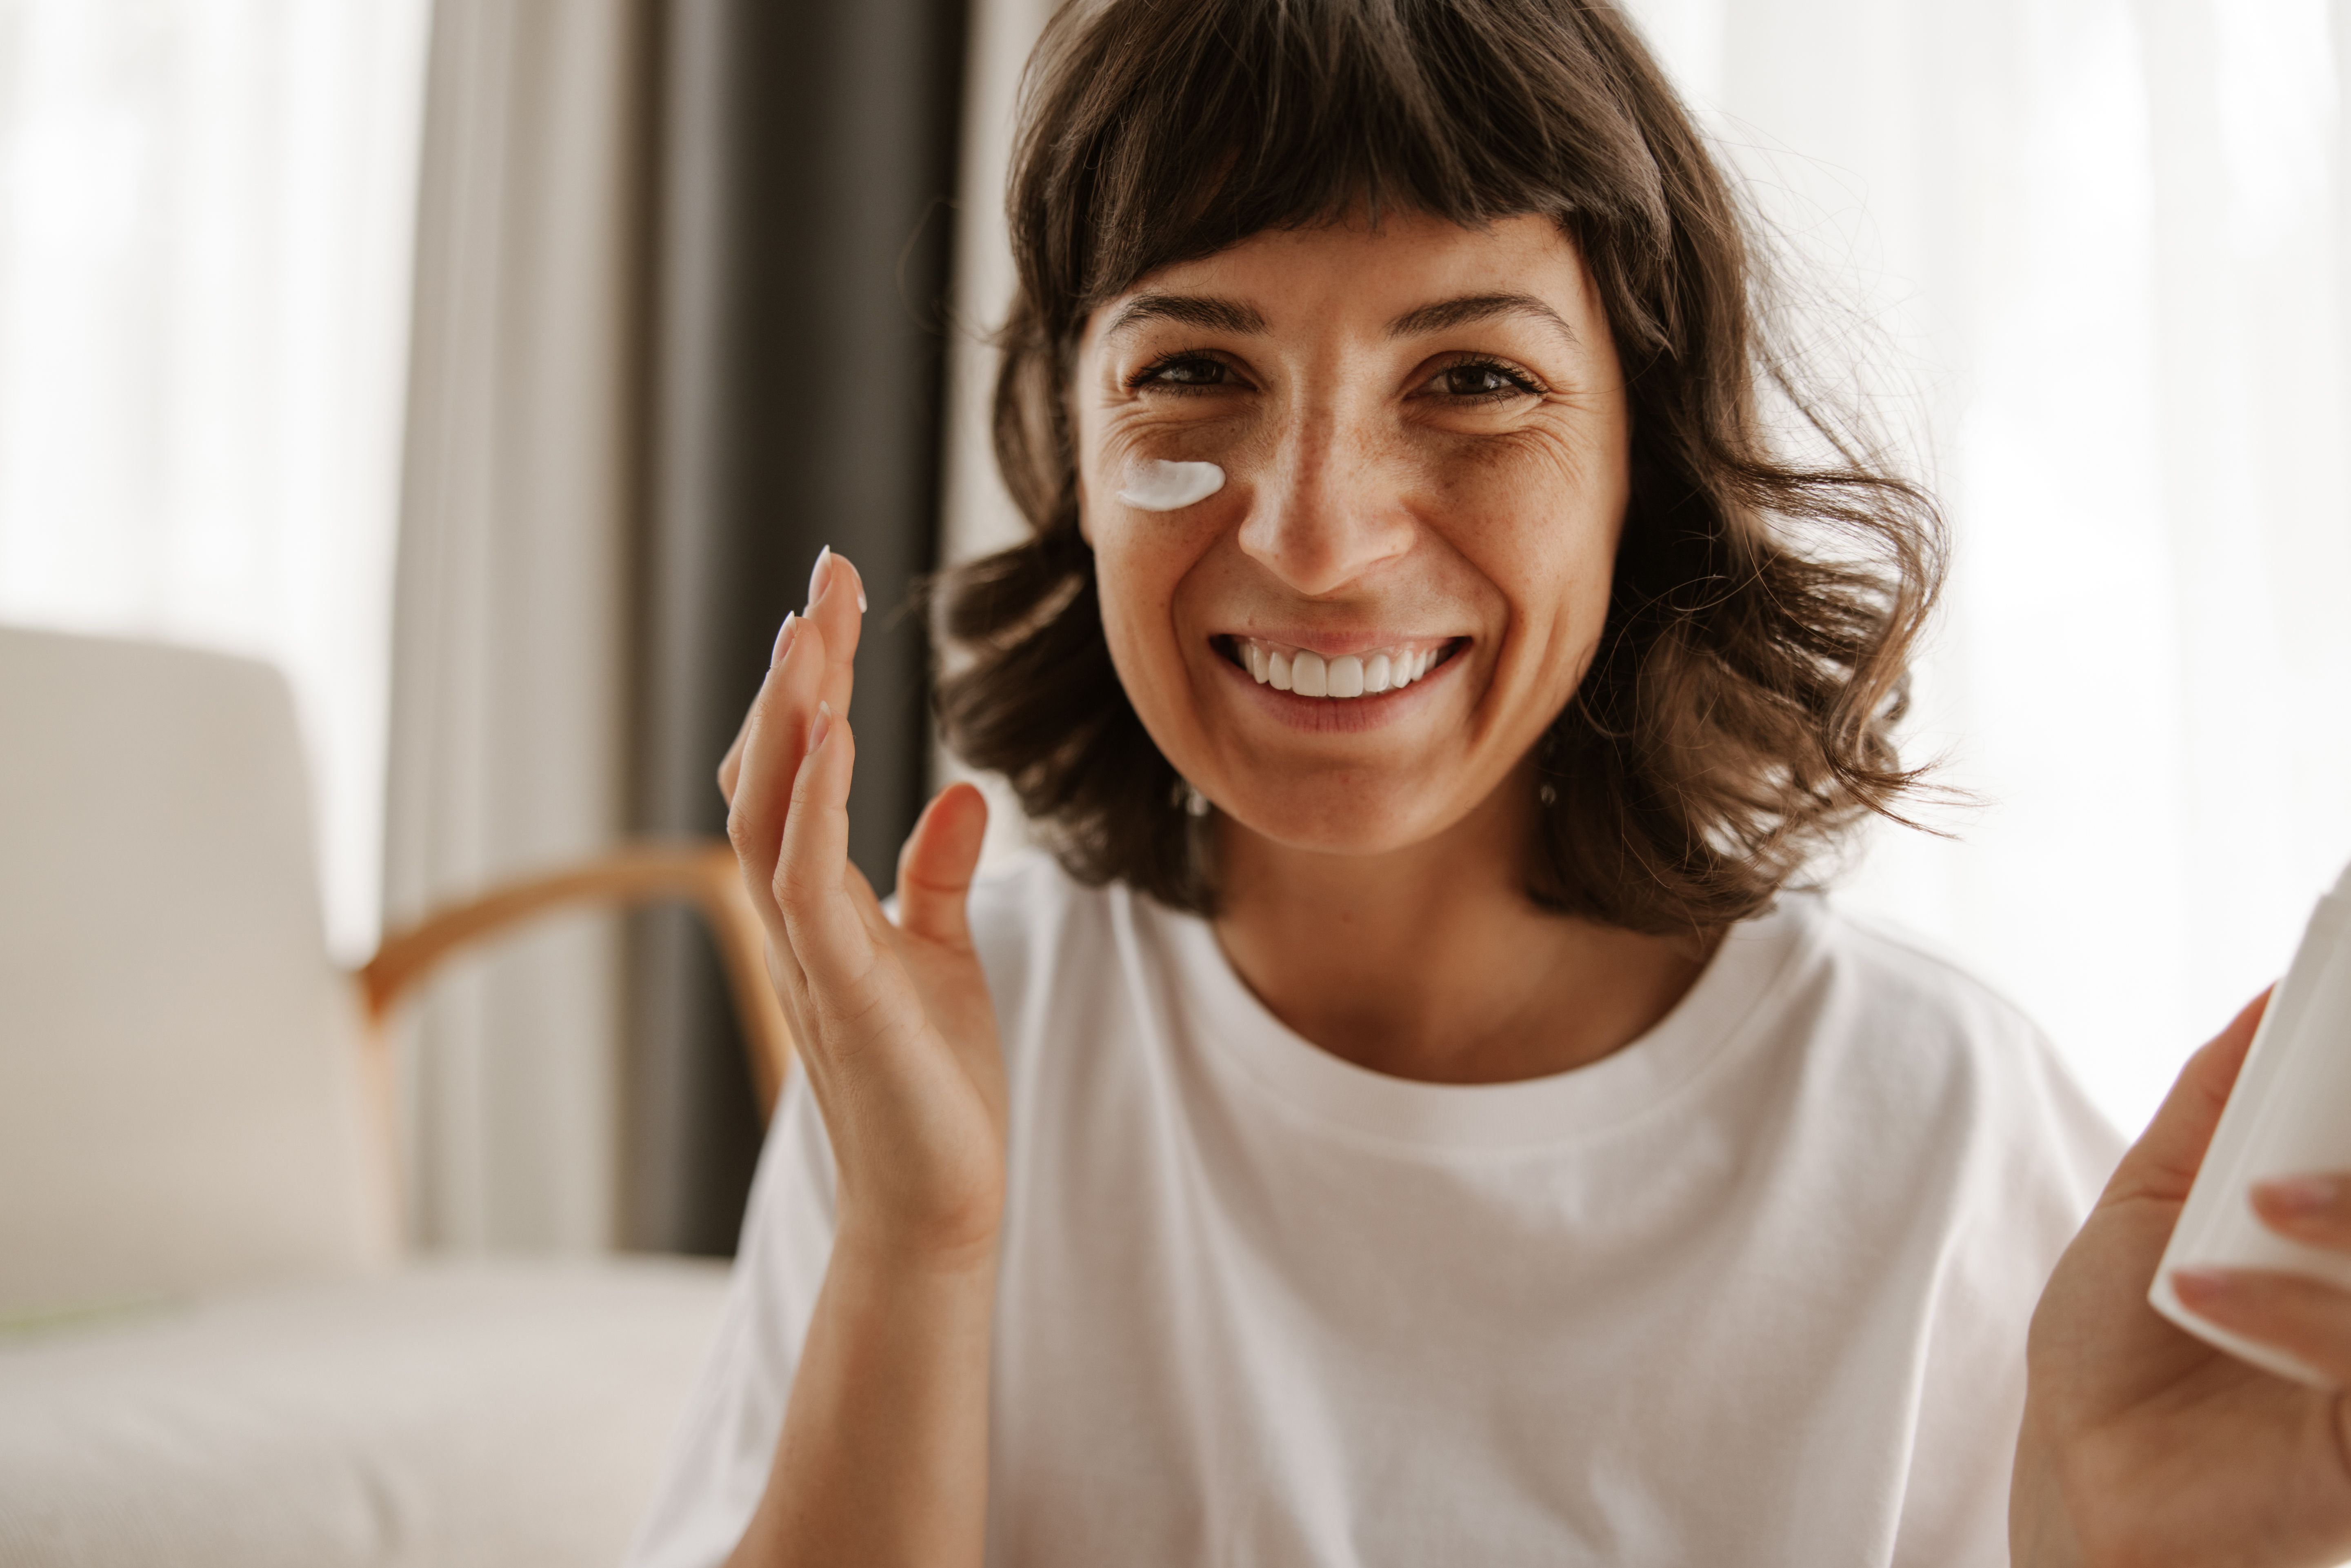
[
  {"x": 1544, "y": 521},
  {"x": 1547, "y": 521},
  {"x": 1140, "y": 563}
]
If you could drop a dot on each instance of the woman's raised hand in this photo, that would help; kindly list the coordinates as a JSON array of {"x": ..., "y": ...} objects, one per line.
[
  {"x": 2143, "y": 1445},
  {"x": 891, "y": 1022},
  {"x": 883, "y": 1458}
]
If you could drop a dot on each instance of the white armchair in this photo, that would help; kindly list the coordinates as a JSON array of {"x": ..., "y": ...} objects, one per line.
[{"x": 211, "y": 1350}]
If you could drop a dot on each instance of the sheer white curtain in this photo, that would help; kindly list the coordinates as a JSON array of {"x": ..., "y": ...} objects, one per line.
[
  {"x": 208, "y": 237},
  {"x": 205, "y": 240},
  {"x": 2103, "y": 247}
]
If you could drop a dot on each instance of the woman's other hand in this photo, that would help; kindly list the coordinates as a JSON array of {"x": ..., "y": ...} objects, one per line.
[
  {"x": 891, "y": 1022},
  {"x": 2143, "y": 1445}
]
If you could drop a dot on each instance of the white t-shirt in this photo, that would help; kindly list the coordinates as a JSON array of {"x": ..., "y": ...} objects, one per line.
[{"x": 1751, "y": 1289}]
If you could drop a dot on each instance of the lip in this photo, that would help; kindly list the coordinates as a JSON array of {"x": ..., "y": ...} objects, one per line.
[{"x": 1338, "y": 715}]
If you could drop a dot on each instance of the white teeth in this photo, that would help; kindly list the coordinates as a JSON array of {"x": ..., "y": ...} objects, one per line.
[{"x": 1310, "y": 674}]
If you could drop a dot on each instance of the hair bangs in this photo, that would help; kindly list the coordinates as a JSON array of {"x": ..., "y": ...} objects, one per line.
[{"x": 1258, "y": 115}]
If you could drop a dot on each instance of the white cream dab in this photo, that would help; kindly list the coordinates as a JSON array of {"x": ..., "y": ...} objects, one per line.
[{"x": 1160, "y": 487}]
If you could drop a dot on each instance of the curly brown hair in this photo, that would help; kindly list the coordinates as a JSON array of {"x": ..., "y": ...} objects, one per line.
[{"x": 1737, "y": 719}]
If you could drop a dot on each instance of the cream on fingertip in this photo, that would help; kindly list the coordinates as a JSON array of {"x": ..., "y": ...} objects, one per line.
[{"x": 1157, "y": 485}]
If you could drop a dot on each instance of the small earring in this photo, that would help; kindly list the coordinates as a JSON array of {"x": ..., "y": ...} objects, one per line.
[
  {"x": 1194, "y": 803},
  {"x": 1547, "y": 795}
]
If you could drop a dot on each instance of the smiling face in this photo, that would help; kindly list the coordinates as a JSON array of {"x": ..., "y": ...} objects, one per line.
[{"x": 1423, "y": 439}]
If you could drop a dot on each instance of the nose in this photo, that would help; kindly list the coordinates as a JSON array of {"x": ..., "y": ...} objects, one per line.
[{"x": 1322, "y": 516}]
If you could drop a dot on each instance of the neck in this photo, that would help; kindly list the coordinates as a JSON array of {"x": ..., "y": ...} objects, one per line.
[{"x": 1430, "y": 962}]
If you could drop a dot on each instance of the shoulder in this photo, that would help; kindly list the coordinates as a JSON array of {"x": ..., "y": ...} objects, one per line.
[
  {"x": 1916, "y": 1042},
  {"x": 1897, "y": 988}
]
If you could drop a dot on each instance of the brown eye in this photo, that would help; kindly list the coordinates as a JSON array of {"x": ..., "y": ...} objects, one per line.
[
  {"x": 1482, "y": 381},
  {"x": 1184, "y": 373}
]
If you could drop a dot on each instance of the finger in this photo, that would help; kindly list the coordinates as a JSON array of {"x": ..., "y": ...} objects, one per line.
[
  {"x": 770, "y": 762},
  {"x": 841, "y": 626},
  {"x": 935, "y": 867},
  {"x": 2313, "y": 1208},
  {"x": 821, "y": 920},
  {"x": 730, "y": 767},
  {"x": 2306, "y": 1319},
  {"x": 2163, "y": 1163},
  {"x": 837, "y": 605}
]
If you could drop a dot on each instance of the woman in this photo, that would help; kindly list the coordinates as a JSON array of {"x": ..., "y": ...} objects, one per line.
[{"x": 1412, "y": 1120}]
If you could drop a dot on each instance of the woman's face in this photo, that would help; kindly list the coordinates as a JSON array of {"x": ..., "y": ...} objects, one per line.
[{"x": 1422, "y": 434}]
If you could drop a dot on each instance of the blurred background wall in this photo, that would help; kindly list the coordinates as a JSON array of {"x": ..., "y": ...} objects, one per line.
[{"x": 498, "y": 367}]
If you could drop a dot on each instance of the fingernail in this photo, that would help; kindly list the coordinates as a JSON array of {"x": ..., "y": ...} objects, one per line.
[
  {"x": 2203, "y": 1284},
  {"x": 816, "y": 573},
  {"x": 820, "y": 727},
  {"x": 2302, "y": 1194},
  {"x": 784, "y": 635}
]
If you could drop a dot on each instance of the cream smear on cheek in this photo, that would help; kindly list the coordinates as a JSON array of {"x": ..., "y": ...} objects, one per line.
[{"x": 1160, "y": 487}]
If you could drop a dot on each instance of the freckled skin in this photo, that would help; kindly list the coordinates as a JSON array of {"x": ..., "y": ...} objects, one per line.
[{"x": 1370, "y": 487}]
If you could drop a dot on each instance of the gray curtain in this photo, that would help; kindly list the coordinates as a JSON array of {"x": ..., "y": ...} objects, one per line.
[{"x": 799, "y": 256}]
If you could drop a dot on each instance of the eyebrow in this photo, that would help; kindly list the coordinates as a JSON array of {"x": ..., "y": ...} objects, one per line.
[
  {"x": 1191, "y": 310},
  {"x": 1447, "y": 314}
]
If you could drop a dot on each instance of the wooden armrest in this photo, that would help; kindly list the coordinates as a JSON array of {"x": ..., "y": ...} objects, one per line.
[{"x": 701, "y": 871}]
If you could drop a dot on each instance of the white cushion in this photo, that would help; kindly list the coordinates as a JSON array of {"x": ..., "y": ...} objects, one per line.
[
  {"x": 510, "y": 1415},
  {"x": 179, "y": 1102}
]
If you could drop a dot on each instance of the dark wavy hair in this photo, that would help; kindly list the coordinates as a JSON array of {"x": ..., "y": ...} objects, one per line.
[{"x": 1737, "y": 718}]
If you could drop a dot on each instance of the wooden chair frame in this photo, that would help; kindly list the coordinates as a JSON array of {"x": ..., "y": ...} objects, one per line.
[{"x": 699, "y": 872}]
